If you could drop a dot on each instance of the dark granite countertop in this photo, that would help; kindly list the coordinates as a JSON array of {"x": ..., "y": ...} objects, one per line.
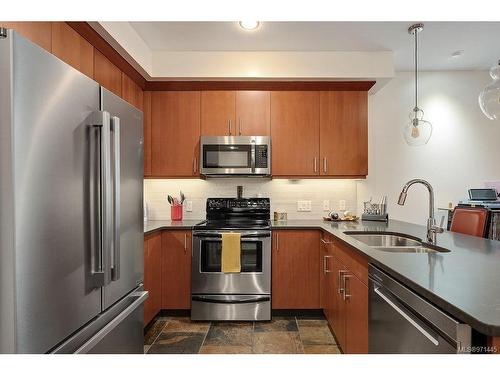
[{"x": 464, "y": 282}]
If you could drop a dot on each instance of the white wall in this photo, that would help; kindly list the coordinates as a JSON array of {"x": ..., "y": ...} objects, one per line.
[
  {"x": 283, "y": 193},
  {"x": 464, "y": 150}
]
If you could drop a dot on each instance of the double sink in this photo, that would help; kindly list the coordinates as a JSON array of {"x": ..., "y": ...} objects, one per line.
[{"x": 394, "y": 242}]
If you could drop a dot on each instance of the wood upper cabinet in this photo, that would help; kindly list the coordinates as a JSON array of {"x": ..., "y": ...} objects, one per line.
[
  {"x": 147, "y": 132},
  {"x": 295, "y": 133},
  {"x": 295, "y": 265},
  {"x": 253, "y": 113},
  {"x": 176, "y": 269},
  {"x": 218, "y": 113},
  {"x": 107, "y": 74},
  {"x": 344, "y": 133},
  {"x": 356, "y": 315},
  {"x": 38, "y": 32},
  {"x": 152, "y": 276},
  {"x": 73, "y": 49},
  {"x": 131, "y": 92},
  {"x": 175, "y": 133}
]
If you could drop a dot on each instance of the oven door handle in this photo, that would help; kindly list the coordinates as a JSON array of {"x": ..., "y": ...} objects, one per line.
[
  {"x": 222, "y": 299},
  {"x": 219, "y": 235}
]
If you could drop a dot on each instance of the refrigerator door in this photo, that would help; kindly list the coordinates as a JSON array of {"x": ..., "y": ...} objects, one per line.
[
  {"x": 126, "y": 252},
  {"x": 51, "y": 178}
]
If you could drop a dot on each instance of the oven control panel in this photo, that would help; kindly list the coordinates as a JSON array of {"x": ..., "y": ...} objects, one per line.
[{"x": 216, "y": 204}]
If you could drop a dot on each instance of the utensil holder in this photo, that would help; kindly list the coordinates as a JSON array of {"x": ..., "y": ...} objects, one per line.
[{"x": 176, "y": 212}]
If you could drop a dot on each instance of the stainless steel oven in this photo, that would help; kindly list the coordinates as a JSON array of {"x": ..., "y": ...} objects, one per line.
[
  {"x": 231, "y": 296},
  {"x": 228, "y": 156}
]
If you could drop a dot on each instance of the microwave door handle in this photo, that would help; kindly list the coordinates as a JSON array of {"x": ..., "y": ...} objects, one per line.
[{"x": 253, "y": 158}]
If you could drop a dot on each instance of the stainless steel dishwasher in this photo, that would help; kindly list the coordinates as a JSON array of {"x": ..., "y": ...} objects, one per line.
[{"x": 400, "y": 321}]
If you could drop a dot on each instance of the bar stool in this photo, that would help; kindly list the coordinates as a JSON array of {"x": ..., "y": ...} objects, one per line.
[{"x": 471, "y": 221}]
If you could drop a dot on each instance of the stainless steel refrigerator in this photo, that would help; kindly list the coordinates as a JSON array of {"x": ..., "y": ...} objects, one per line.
[{"x": 71, "y": 200}]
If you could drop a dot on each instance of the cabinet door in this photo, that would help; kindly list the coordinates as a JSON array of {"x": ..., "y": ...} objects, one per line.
[
  {"x": 131, "y": 92},
  {"x": 107, "y": 74},
  {"x": 147, "y": 132},
  {"x": 38, "y": 32},
  {"x": 329, "y": 282},
  {"x": 295, "y": 133},
  {"x": 253, "y": 112},
  {"x": 344, "y": 133},
  {"x": 218, "y": 113},
  {"x": 356, "y": 315},
  {"x": 175, "y": 129},
  {"x": 152, "y": 276},
  {"x": 337, "y": 316},
  {"x": 295, "y": 264},
  {"x": 72, "y": 48},
  {"x": 176, "y": 269}
]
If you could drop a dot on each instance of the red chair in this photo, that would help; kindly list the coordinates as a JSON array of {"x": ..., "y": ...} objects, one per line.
[{"x": 471, "y": 221}]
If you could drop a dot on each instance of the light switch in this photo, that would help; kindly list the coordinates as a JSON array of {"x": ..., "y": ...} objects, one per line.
[
  {"x": 304, "y": 206},
  {"x": 342, "y": 205},
  {"x": 326, "y": 205}
]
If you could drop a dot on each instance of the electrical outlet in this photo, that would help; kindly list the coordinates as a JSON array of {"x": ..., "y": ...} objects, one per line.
[
  {"x": 342, "y": 205},
  {"x": 188, "y": 205},
  {"x": 326, "y": 205},
  {"x": 304, "y": 206}
]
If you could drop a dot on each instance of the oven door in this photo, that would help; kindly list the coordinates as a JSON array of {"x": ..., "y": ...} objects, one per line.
[{"x": 255, "y": 275}]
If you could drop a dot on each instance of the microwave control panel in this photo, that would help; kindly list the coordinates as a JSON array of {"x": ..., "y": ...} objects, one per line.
[{"x": 261, "y": 156}]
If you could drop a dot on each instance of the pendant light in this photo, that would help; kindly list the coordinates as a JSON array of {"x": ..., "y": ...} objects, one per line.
[
  {"x": 418, "y": 131},
  {"x": 489, "y": 98}
]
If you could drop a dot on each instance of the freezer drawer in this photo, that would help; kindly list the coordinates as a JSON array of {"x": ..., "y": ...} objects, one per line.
[
  {"x": 231, "y": 307},
  {"x": 400, "y": 321},
  {"x": 119, "y": 330}
]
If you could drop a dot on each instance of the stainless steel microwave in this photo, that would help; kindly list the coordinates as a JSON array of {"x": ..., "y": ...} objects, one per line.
[{"x": 228, "y": 156}]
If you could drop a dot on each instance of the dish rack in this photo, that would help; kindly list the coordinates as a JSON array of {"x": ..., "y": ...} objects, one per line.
[{"x": 375, "y": 211}]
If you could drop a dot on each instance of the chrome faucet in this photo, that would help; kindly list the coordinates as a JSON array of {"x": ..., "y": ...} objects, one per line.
[{"x": 432, "y": 228}]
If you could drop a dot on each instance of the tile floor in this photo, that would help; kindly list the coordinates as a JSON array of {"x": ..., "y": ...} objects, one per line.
[{"x": 283, "y": 335}]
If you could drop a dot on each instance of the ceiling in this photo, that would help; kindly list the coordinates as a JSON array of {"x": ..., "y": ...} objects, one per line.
[{"x": 437, "y": 42}]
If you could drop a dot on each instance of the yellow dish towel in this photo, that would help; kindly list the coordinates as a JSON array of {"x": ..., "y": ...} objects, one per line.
[{"x": 231, "y": 252}]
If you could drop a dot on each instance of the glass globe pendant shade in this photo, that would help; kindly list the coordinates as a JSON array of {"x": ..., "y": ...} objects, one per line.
[
  {"x": 418, "y": 131},
  {"x": 489, "y": 98}
]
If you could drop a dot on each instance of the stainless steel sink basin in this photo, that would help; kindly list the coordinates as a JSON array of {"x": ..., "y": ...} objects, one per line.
[
  {"x": 385, "y": 240},
  {"x": 394, "y": 242}
]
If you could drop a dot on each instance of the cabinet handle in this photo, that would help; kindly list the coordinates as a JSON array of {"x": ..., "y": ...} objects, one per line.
[
  {"x": 277, "y": 243},
  {"x": 315, "y": 165},
  {"x": 340, "y": 281},
  {"x": 240, "y": 126},
  {"x": 326, "y": 242},
  {"x": 229, "y": 123},
  {"x": 345, "y": 277},
  {"x": 325, "y": 165},
  {"x": 325, "y": 264},
  {"x": 185, "y": 243},
  {"x": 195, "y": 165}
]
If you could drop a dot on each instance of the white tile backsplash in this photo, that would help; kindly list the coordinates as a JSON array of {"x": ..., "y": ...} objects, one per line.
[{"x": 283, "y": 193}]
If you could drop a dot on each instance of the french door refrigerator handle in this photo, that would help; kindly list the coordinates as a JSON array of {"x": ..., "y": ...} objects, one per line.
[
  {"x": 99, "y": 259},
  {"x": 406, "y": 316},
  {"x": 115, "y": 254}
]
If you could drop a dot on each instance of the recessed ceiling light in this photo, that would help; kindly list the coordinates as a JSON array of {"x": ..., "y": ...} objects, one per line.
[
  {"x": 249, "y": 25},
  {"x": 458, "y": 53}
]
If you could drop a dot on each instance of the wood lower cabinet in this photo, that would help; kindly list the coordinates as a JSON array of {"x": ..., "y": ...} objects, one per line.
[
  {"x": 295, "y": 265},
  {"x": 38, "y": 32},
  {"x": 346, "y": 298},
  {"x": 176, "y": 269},
  {"x": 72, "y": 48},
  {"x": 107, "y": 74},
  {"x": 175, "y": 133},
  {"x": 295, "y": 133},
  {"x": 218, "y": 113},
  {"x": 152, "y": 276},
  {"x": 253, "y": 113},
  {"x": 344, "y": 133}
]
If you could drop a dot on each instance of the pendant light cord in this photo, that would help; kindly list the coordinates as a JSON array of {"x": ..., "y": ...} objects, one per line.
[{"x": 416, "y": 70}]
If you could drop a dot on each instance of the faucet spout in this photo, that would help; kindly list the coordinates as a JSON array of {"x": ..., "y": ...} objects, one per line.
[{"x": 432, "y": 229}]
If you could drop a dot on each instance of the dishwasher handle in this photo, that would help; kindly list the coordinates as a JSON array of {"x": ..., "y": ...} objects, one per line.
[{"x": 400, "y": 311}]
